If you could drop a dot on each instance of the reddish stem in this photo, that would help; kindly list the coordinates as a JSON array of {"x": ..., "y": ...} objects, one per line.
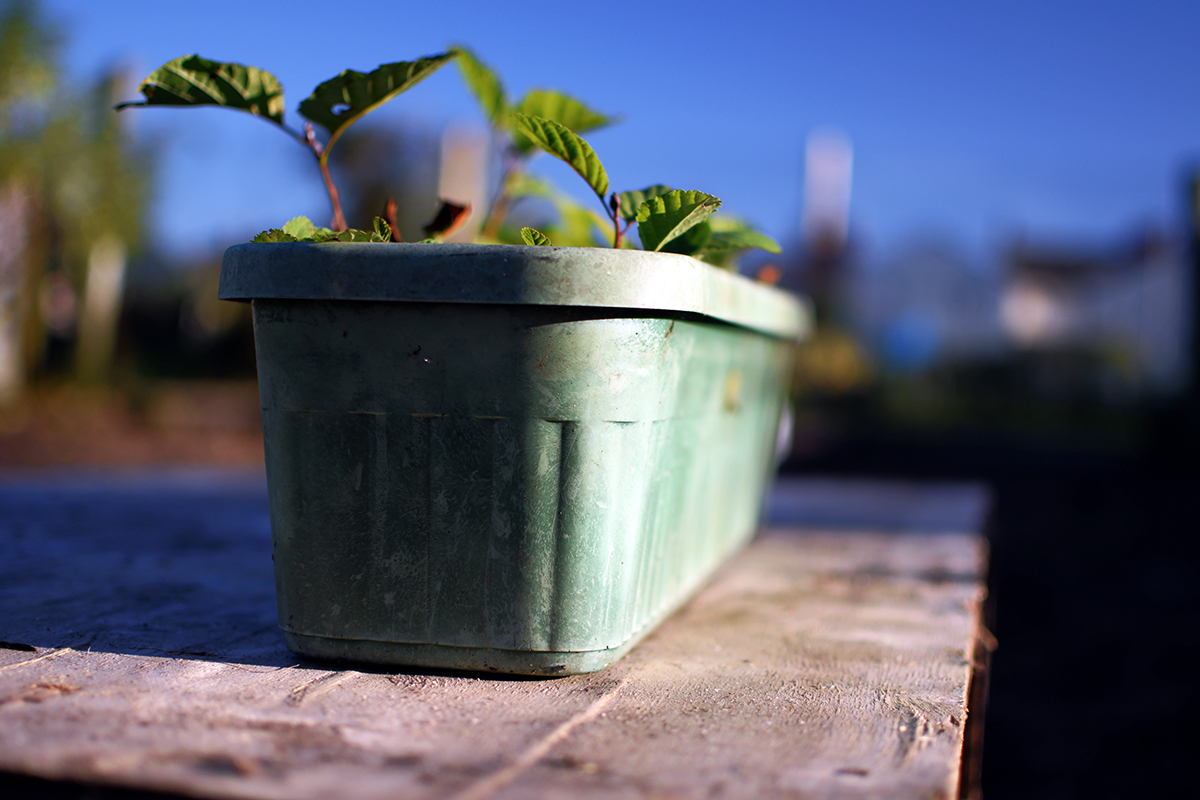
[
  {"x": 499, "y": 210},
  {"x": 614, "y": 212},
  {"x": 339, "y": 220}
]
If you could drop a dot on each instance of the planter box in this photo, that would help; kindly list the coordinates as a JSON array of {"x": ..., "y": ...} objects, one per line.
[{"x": 506, "y": 458}]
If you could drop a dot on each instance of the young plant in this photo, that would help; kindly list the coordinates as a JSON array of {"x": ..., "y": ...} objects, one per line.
[
  {"x": 667, "y": 220},
  {"x": 335, "y": 105},
  {"x": 517, "y": 149}
]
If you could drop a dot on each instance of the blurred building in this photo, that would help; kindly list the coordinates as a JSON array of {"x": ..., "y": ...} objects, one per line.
[
  {"x": 1126, "y": 305},
  {"x": 927, "y": 305}
]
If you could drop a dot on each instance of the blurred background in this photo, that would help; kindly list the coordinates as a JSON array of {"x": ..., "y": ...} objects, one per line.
[{"x": 994, "y": 209}]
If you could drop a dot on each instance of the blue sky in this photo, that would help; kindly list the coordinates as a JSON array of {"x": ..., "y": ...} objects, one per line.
[{"x": 1067, "y": 121}]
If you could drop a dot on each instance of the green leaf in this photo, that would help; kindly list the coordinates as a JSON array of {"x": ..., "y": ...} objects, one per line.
[
  {"x": 730, "y": 237},
  {"x": 558, "y": 140},
  {"x": 560, "y": 108},
  {"x": 300, "y": 227},
  {"x": 741, "y": 239},
  {"x": 632, "y": 201},
  {"x": 534, "y": 237},
  {"x": 195, "y": 81},
  {"x": 666, "y": 217},
  {"x": 485, "y": 85},
  {"x": 340, "y": 101},
  {"x": 691, "y": 242},
  {"x": 274, "y": 235},
  {"x": 354, "y": 235},
  {"x": 383, "y": 231}
]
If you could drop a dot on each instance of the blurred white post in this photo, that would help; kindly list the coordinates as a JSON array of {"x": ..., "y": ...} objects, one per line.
[
  {"x": 101, "y": 312},
  {"x": 828, "y": 169},
  {"x": 463, "y": 177},
  {"x": 14, "y": 234}
]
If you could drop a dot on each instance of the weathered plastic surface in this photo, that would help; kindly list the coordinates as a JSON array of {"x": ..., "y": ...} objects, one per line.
[
  {"x": 466, "y": 273},
  {"x": 519, "y": 487}
]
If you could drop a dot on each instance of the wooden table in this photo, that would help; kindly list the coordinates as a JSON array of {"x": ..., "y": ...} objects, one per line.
[{"x": 836, "y": 656}]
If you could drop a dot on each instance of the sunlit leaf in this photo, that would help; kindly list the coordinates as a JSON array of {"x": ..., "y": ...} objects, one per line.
[
  {"x": 741, "y": 239},
  {"x": 485, "y": 85},
  {"x": 558, "y": 140},
  {"x": 730, "y": 237},
  {"x": 300, "y": 227},
  {"x": 691, "y": 242},
  {"x": 340, "y": 101},
  {"x": 354, "y": 235},
  {"x": 560, "y": 108},
  {"x": 632, "y": 201},
  {"x": 195, "y": 81},
  {"x": 274, "y": 235},
  {"x": 383, "y": 231},
  {"x": 534, "y": 237},
  {"x": 666, "y": 217}
]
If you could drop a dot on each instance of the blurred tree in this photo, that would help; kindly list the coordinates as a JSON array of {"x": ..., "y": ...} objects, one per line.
[{"x": 72, "y": 193}]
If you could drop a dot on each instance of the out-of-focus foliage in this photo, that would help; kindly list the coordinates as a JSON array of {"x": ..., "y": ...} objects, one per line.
[
  {"x": 62, "y": 145},
  {"x": 75, "y": 188}
]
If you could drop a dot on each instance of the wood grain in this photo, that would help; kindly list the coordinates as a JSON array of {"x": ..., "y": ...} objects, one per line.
[{"x": 827, "y": 659}]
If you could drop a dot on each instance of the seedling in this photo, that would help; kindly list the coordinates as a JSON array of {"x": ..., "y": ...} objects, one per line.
[
  {"x": 667, "y": 219},
  {"x": 335, "y": 105}
]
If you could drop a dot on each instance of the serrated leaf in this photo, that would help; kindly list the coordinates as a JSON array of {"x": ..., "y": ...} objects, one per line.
[
  {"x": 632, "y": 201},
  {"x": 383, "y": 231},
  {"x": 355, "y": 235},
  {"x": 195, "y": 81},
  {"x": 558, "y": 140},
  {"x": 485, "y": 85},
  {"x": 274, "y": 235},
  {"x": 745, "y": 238},
  {"x": 339, "y": 101},
  {"x": 535, "y": 237},
  {"x": 691, "y": 242},
  {"x": 560, "y": 108},
  {"x": 300, "y": 227},
  {"x": 668, "y": 216}
]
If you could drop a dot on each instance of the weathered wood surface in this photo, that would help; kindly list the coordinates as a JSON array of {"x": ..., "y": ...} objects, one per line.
[{"x": 830, "y": 659}]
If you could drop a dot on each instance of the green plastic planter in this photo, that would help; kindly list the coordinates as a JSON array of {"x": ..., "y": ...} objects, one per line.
[{"x": 516, "y": 459}]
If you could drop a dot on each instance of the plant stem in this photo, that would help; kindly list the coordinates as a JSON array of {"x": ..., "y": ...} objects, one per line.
[
  {"x": 339, "y": 220},
  {"x": 389, "y": 213},
  {"x": 499, "y": 210},
  {"x": 614, "y": 213}
]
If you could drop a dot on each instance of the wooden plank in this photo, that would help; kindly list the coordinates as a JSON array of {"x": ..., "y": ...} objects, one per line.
[{"x": 825, "y": 660}]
